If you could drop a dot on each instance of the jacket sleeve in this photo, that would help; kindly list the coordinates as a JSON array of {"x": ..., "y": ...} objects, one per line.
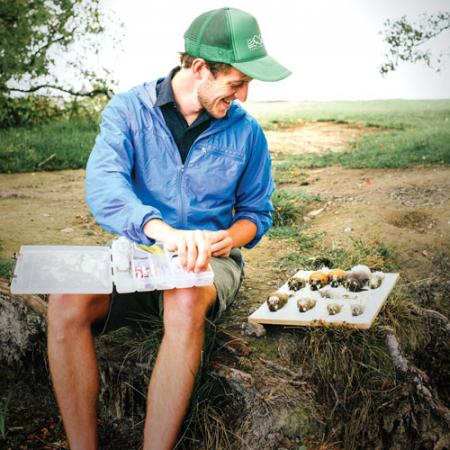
[
  {"x": 109, "y": 189},
  {"x": 255, "y": 188}
]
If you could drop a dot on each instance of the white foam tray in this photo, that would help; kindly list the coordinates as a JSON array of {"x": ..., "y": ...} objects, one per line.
[{"x": 371, "y": 299}]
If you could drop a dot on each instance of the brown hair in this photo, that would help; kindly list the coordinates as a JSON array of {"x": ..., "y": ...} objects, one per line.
[{"x": 214, "y": 67}]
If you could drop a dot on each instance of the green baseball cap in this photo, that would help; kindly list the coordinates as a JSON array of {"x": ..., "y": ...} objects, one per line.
[{"x": 232, "y": 36}]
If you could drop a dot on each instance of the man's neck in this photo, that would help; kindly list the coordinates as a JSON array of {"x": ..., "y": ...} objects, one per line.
[{"x": 185, "y": 93}]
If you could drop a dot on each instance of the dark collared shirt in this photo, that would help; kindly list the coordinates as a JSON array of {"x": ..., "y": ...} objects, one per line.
[{"x": 183, "y": 134}]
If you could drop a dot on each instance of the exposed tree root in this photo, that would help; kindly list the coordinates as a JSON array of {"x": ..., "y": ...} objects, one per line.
[
  {"x": 430, "y": 314},
  {"x": 418, "y": 378},
  {"x": 32, "y": 301}
]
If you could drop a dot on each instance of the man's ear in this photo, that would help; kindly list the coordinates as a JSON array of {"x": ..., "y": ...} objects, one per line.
[{"x": 199, "y": 68}]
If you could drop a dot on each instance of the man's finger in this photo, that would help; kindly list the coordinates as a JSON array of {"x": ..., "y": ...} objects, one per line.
[
  {"x": 217, "y": 236},
  {"x": 223, "y": 252},
  {"x": 181, "y": 250},
  {"x": 219, "y": 246},
  {"x": 192, "y": 251},
  {"x": 204, "y": 250}
]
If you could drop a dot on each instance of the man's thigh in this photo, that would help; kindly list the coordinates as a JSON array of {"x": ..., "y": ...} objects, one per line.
[
  {"x": 137, "y": 307},
  {"x": 228, "y": 276}
]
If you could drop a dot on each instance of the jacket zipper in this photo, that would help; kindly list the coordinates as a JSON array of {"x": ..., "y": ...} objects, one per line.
[{"x": 180, "y": 168}]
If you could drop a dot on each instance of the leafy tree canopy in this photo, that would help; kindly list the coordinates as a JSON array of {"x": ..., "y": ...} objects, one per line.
[
  {"x": 408, "y": 41},
  {"x": 36, "y": 36}
]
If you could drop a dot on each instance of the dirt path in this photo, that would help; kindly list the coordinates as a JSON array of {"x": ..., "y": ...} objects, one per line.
[{"x": 408, "y": 209}]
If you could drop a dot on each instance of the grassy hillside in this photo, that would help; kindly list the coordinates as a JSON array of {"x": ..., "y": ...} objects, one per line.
[
  {"x": 65, "y": 144},
  {"x": 411, "y": 133}
]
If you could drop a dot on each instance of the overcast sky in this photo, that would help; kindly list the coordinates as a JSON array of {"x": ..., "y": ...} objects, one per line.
[{"x": 334, "y": 48}]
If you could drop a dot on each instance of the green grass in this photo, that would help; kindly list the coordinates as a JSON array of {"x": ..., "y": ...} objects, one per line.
[
  {"x": 3, "y": 414},
  {"x": 23, "y": 149},
  {"x": 411, "y": 132},
  {"x": 6, "y": 268},
  {"x": 394, "y": 114},
  {"x": 289, "y": 206},
  {"x": 372, "y": 253},
  {"x": 393, "y": 149}
]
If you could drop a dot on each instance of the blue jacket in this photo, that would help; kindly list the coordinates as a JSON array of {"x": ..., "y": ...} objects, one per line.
[{"x": 135, "y": 173}]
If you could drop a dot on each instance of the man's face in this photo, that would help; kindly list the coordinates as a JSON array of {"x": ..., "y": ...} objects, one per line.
[{"x": 215, "y": 94}]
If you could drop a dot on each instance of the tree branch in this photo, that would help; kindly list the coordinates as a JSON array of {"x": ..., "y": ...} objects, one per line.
[
  {"x": 45, "y": 47},
  {"x": 93, "y": 93}
]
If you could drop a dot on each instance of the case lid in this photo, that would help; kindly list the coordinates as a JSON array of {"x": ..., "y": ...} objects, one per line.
[{"x": 47, "y": 269}]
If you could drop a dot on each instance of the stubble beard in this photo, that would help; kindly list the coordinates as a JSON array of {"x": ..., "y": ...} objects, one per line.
[{"x": 209, "y": 105}]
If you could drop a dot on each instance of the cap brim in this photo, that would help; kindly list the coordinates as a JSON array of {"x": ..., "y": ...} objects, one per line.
[{"x": 263, "y": 69}]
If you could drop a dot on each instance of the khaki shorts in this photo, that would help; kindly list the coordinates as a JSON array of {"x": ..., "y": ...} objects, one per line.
[{"x": 134, "y": 308}]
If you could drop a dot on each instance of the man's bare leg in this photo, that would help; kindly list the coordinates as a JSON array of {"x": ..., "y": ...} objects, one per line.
[
  {"x": 177, "y": 364},
  {"x": 73, "y": 363}
]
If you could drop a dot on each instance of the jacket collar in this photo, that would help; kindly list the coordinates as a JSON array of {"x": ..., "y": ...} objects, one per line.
[{"x": 147, "y": 96}]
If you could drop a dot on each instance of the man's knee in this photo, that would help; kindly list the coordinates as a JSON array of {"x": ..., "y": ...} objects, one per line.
[
  {"x": 74, "y": 311},
  {"x": 185, "y": 309}
]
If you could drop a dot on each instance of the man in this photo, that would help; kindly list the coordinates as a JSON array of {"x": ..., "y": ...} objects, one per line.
[{"x": 176, "y": 161}]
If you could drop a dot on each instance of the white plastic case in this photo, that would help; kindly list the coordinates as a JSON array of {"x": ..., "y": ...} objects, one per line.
[{"x": 43, "y": 269}]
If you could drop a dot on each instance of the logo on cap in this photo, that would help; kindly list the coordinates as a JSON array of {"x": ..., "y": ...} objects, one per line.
[{"x": 255, "y": 42}]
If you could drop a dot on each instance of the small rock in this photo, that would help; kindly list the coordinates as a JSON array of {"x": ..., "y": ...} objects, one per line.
[
  {"x": 253, "y": 329},
  {"x": 67, "y": 230},
  {"x": 307, "y": 219},
  {"x": 315, "y": 213},
  {"x": 348, "y": 230},
  {"x": 425, "y": 253}
]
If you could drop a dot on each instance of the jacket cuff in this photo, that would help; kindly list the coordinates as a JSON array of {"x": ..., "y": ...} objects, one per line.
[
  {"x": 141, "y": 216},
  {"x": 259, "y": 228}
]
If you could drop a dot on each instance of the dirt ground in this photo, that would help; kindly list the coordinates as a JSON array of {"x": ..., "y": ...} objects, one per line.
[{"x": 408, "y": 209}]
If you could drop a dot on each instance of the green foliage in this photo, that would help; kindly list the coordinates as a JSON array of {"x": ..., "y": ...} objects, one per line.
[
  {"x": 6, "y": 268},
  {"x": 35, "y": 110},
  {"x": 35, "y": 35},
  {"x": 287, "y": 209},
  {"x": 289, "y": 206},
  {"x": 22, "y": 150},
  {"x": 406, "y": 40},
  {"x": 29, "y": 111}
]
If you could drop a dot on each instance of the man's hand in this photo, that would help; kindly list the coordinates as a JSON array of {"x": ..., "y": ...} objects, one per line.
[
  {"x": 222, "y": 243},
  {"x": 192, "y": 247}
]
